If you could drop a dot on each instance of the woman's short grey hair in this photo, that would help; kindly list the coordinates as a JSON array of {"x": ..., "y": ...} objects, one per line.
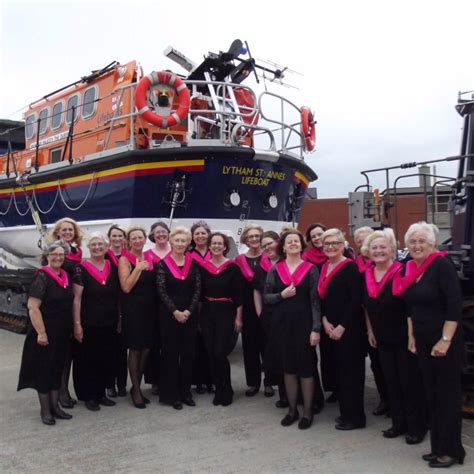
[
  {"x": 363, "y": 230},
  {"x": 430, "y": 230},
  {"x": 48, "y": 248},
  {"x": 98, "y": 235},
  {"x": 385, "y": 234},
  {"x": 333, "y": 233}
]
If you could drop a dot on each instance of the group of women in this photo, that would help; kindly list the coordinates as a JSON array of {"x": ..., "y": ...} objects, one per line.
[{"x": 178, "y": 309}]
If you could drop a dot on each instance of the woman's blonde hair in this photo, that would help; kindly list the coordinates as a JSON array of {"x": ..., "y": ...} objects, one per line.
[
  {"x": 333, "y": 233},
  {"x": 181, "y": 230},
  {"x": 386, "y": 234},
  {"x": 247, "y": 229},
  {"x": 98, "y": 235},
  {"x": 53, "y": 234}
]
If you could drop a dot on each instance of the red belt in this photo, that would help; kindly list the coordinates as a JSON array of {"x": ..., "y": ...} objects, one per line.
[{"x": 220, "y": 300}]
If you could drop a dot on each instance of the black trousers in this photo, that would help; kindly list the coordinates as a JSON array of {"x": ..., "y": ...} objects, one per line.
[
  {"x": 177, "y": 355},
  {"x": 220, "y": 339},
  {"x": 119, "y": 365},
  {"x": 253, "y": 345},
  {"x": 202, "y": 365},
  {"x": 327, "y": 350},
  {"x": 442, "y": 381},
  {"x": 376, "y": 368},
  {"x": 93, "y": 362},
  {"x": 405, "y": 388},
  {"x": 349, "y": 367}
]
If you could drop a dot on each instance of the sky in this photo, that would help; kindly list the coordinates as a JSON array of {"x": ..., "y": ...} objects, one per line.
[{"x": 381, "y": 76}]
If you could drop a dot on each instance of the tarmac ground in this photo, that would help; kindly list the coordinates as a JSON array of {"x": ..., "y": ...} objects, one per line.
[{"x": 244, "y": 437}]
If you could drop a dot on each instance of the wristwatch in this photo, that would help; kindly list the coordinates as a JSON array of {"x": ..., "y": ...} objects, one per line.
[{"x": 445, "y": 338}]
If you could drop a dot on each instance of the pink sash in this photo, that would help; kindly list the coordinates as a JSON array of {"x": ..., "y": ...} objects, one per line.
[
  {"x": 324, "y": 278},
  {"x": 133, "y": 259},
  {"x": 314, "y": 255},
  {"x": 265, "y": 263},
  {"x": 412, "y": 273},
  {"x": 75, "y": 256},
  {"x": 363, "y": 263},
  {"x": 178, "y": 273},
  {"x": 212, "y": 269},
  {"x": 297, "y": 276},
  {"x": 99, "y": 276},
  {"x": 62, "y": 279},
  {"x": 152, "y": 255},
  {"x": 198, "y": 258},
  {"x": 374, "y": 288},
  {"x": 114, "y": 257},
  {"x": 245, "y": 268}
]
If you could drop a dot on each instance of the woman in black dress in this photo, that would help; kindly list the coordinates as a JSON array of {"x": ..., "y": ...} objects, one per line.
[
  {"x": 253, "y": 335},
  {"x": 221, "y": 313},
  {"x": 199, "y": 250},
  {"x": 160, "y": 235},
  {"x": 363, "y": 263},
  {"x": 179, "y": 287},
  {"x": 95, "y": 314},
  {"x": 387, "y": 327},
  {"x": 291, "y": 288},
  {"x": 48, "y": 336},
  {"x": 432, "y": 292},
  {"x": 68, "y": 231},
  {"x": 117, "y": 382},
  {"x": 340, "y": 289},
  {"x": 138, "y": 304}
]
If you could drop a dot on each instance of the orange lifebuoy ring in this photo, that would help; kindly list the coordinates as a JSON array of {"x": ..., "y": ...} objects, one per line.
[
  {"x": 162, "y": 77},
  {"x": 308, "y": 128}
]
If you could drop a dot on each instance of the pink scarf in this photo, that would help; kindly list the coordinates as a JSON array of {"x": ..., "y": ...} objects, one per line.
[
  {"x": 245, "y": 268},
  {"x": 114, "y": 257},
  {"x": 297, "y": 276},
  {"x": 212, "y": 269},
  {"x": 99, "y": 276},
  {"x": 265, "y": 263},
  {"x": 314, "y": 255},
  {"x": 133, "y": 259},
  {"x": 325, "y": 279},
  {"x": 75, "y": 256},
  {"x": 412, "y": 273},
  {"x": 178, "y": 273},
  {"x": 62, "y": 279},
  {"x": 374, "y": 288},
  {"x": 363, "y": 263},
  {"x": 152, "y": 255}
]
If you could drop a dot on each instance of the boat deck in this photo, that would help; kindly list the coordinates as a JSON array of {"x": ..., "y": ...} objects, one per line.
[{"x": 245, "y": 437}]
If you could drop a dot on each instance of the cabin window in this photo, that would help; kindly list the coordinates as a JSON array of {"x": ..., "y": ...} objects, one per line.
[
  {"x": 57, "y": 116},
  {"x": 89, "y": 103},
  {"x": 73, "y": 101},
  {"x": 43, "y": 119},
  {"x": 56, "y": 155},
  {"x": 30, "y": 126}
]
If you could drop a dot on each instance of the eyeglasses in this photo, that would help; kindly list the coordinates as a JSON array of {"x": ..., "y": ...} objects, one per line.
[
  {"x": 417, "y": 242},
  {"x": 331, "y": 244},
  {"x": 253, "y": 236},
  {"x": 59, "y": 255}
]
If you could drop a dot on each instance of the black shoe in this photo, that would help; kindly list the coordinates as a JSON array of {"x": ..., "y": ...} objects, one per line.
[
  {"x": 290, "y": 419},
  {"x": 268, "y": 391},
  {"x": 67, "y": 404},
  {"x": 429, "y": 457},
  {"x": 178, "y": 405},
  {"x": 189, "y": 402},
  {"x": 382, "y": 409},
  {"x": 414, "y": 439},
  {"x": 141, "y": 405},
  {"x": 252, "y": 391},
  {"x": 393, "y": 432},
  {"x": 50, "y": 421},
  {"x": 62, "y": 415},
  {"x": 210, "y": 388},
  {"x": 227, "y": 396},
  {"x": 445, "y": 461},
  {"x": 317, "y": 408},
  {"x": 122, "y": 392},
  {"x": 145, "y": 400},
  {"x": 349, "y": 426},
  {"x": 333, "y": 398},
  {"x": 92, "y": 405},
  {"x": 305, "y": 423},
  {"x": 111, "y": 392},
  {"x": 339, "y": 420},
  {"x": 200, "y": 389},
  {"x": 282, "y": 403},
  {"x": 107, "y": 402},
  {"x": 217, "y": 400}
]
